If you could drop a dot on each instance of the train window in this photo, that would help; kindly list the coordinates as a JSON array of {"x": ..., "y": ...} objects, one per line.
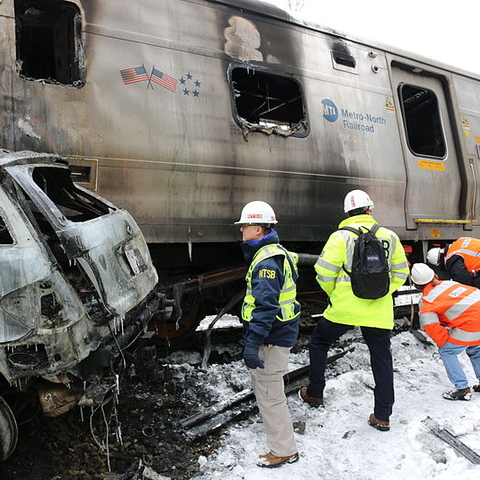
[
  {"x": 5, "y": 237},
  {"x": 423, "y": 123},
  {"x": 268, "y": 103},
  {"x": 48, "y": 41}
]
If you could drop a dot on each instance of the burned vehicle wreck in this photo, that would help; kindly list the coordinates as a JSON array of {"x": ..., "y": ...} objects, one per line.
[{"x": 76, "y": 285}]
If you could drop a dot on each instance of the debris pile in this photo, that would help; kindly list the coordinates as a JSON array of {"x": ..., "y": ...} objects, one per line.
[{"x": 154, "y": 397}]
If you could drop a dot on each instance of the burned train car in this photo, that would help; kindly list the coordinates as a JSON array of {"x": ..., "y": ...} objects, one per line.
[
  {"x": 182, "y": 111},
  {"x": 76, "y": 285}
]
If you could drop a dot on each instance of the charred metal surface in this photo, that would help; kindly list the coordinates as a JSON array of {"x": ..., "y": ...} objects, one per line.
[
  {"x": 184, "y": 179},
  {"x": 169, "y": 93},
  {"x": 76, "y": 273}
]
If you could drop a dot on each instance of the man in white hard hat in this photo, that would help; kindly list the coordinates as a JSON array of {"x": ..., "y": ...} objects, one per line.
[
  {"x": 450, "y": 315},
  {"x": 461, "y": 260},
  {"x": 346, "y": 310},
  {"x": 270, "y": 315}
]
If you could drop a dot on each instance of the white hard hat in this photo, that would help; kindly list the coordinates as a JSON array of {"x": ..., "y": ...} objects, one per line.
[
  {"x": 433, "y": 256},
  {"x": 421, "y": 274},
  {"x": 257, "y": 212},
  {"x": 356, "y": 199}
]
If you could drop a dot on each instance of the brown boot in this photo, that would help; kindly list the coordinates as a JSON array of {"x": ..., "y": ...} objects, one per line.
[
  {"x": 381, "y": 425},
  {"x": 312, "y": 401},
  {"x": 272, "y": 461},
  {"x": 460, "y": 394}
]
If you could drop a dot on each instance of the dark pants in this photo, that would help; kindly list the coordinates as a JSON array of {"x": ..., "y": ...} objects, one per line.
[{"x": 378, "y": 342}]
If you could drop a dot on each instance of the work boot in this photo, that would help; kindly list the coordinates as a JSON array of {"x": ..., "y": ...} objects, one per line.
[
  {"x": 381, "y": 425},
  {"x": 476, "y": 388},
  {"x": 272, "y": 461},
  {"x": 312, "y": 401},
  {"x": 460, "y": 394}
]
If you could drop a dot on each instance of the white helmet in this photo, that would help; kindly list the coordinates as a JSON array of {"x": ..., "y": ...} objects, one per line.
[
  {"x": 421, "y": 274},
  {"x": 257, "y": 212},
  {"x": 433, "y": 256},
  {"x": 356, "y": 199}
]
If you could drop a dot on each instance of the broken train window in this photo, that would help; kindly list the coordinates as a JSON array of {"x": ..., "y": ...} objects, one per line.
[
  {"x": 423, "y": 123},
  {"x": 268, "y": 102},
  {"x": 48, "y": 41}
]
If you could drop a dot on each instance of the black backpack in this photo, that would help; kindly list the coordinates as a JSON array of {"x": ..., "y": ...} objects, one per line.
[{"x": 370, "y": 275}]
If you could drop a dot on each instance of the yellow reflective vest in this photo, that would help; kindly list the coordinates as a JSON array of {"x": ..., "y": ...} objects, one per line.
[
  {"x": 287, "y": 296},
  {"x": 344, "y": 307}
]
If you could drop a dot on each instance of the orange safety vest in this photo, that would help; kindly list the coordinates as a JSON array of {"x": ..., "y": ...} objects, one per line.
[
  {"x": 450, "y": 312},
  {"x": 469, "y": 249}
]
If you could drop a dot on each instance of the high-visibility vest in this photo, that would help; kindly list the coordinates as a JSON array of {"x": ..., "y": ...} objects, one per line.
[
  {"x": 287, "y": 298},
  {"x": 344, "y": 307},
  {"x": 450, "y": 312},
  {"x": 469, "y": 249}
]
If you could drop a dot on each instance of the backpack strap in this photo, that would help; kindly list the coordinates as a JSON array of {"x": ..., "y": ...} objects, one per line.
[
  {"x": 358, "y": 232},
  {"x": 353, "y": 230}
]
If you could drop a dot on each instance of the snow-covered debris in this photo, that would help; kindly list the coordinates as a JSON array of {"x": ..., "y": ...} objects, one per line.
[{"x": 339, "y": 444}]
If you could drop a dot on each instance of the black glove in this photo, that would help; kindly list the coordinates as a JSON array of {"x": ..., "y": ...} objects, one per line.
[{"x": 251, "y": 358}]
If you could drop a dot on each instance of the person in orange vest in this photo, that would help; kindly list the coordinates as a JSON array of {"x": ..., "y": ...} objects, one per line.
[
  {"x": 461, "y": 260},
  {"x": 450, "y": 315}
]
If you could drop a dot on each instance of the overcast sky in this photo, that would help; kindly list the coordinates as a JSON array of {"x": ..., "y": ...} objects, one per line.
[{"x": 441, "y": 30}]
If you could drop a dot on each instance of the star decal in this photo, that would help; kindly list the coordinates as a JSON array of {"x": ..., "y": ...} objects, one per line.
[{"x": 191, "y": 85}]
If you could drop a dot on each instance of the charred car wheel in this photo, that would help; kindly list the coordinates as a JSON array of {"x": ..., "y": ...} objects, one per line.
[{"x": 8, "y": 430}]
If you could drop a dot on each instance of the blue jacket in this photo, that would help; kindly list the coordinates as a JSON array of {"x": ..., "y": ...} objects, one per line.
[{"x": 264, "y": 327}]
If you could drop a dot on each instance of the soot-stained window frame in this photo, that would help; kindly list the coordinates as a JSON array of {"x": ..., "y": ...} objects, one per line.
[
  {"x": 242, "y": 79},
  {"x": 423, "y": 128},
  {"x": 49, "y": 42}
]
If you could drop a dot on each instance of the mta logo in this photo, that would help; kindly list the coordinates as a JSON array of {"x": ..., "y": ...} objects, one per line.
[{"x": 330, "y": 110}]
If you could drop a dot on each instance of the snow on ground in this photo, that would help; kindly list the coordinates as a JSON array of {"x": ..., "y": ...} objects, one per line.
[
  {"x": 225, "y": 321},
  {"x": 338, "y": 444}
]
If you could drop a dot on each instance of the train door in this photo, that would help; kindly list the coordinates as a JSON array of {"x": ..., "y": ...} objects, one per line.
[{"x": 434, "y": 189}]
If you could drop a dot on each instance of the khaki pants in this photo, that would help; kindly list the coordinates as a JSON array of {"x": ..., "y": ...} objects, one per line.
[{"x": 269, "y": 391}]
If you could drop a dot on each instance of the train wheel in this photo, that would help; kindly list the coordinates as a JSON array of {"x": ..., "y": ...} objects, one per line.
[
  {"x": 8, "y": 430},
  {"x": 174, "y": 333}
]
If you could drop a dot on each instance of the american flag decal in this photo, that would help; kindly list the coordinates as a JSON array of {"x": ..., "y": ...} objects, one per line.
[
  {"x": 134, "y": 75},
  {"x": 163, "y": 79}
]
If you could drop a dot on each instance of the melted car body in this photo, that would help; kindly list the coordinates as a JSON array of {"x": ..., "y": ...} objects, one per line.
[{"x": 75, "y": 276}]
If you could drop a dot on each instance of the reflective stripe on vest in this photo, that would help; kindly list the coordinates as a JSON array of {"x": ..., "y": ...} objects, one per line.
[
  {"x": 455, "y": 300},
  {"x": 463, "y": 336},
  {"x": 469, "y": 250},
  {"x": 288, "y": 292},
  {"x": 458, "y": 308},
  {"x": 438, "y": 290},
  {"x": 428, "y": 318}
]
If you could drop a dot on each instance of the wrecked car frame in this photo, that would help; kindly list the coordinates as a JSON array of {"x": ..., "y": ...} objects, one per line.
[{"x": 76, "y": 278}]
